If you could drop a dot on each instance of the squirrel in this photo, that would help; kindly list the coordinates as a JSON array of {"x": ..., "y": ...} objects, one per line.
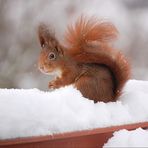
[{"x": 86, "y": 59}]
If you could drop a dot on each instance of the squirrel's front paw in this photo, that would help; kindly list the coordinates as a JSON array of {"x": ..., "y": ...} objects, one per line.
[{"x": 53, "y": 85}]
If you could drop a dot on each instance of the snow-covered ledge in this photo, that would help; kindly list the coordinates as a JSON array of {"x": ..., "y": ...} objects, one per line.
[
  {"x": 124, "y": 138},
  {"x": 33, "y": 112}
]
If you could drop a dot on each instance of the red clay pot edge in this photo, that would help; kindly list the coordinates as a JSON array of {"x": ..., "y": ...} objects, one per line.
[{"x": 72, "y": 134}]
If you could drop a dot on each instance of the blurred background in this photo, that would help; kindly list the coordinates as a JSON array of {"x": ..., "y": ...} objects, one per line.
[{"x": 19, "y": 45}]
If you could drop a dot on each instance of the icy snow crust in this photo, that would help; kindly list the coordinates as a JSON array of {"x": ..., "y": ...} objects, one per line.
[
  {"x": 124, "y": 138},
  {"x": 33, "y": 112}
]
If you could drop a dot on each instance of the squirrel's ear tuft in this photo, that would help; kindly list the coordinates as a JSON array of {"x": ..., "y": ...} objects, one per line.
[{"x": 45, "y": 35}]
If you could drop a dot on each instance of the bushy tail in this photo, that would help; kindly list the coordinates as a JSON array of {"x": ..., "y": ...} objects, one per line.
[
  {"x": 88, "y": 42},
  {"x": 90, "y": 30}
]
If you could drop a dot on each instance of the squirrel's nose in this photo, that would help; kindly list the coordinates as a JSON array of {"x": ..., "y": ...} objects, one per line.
[
  {"x": 40, "y": 65},
  {"x": 41, "y": 68}
]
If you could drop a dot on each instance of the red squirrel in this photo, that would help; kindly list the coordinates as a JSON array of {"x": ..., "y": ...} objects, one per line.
[{"x": 86, "y": 59}]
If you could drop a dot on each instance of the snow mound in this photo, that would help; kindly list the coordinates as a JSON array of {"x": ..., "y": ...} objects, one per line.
[
  {"x": 33, "y": 112},
  {"x": 125, "y": 138}
]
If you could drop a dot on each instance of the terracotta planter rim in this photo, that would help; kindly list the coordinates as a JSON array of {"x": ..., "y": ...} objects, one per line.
[{"x": 67, "y": 135}]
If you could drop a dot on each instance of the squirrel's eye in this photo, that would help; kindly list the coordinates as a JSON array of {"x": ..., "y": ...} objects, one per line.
[{"x": 52, "y": 56}]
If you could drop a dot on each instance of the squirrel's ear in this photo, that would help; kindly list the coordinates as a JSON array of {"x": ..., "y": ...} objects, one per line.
[
  {"x": 45, "y": 35},
  {"x": 48, "y": 36}
]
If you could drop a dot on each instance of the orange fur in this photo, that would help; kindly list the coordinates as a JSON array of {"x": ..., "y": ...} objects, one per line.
[
  {"x": 87, "y": 60},
  {"x": 89, "y": 30},
  {"x": 88, "y": 43}
]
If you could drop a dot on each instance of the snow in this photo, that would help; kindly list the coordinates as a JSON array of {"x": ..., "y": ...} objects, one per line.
[
  {"x": 33, "y": 112},
  {"x": 125, "y": 138}
]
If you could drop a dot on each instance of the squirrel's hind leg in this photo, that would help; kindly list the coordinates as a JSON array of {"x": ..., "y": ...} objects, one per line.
[{"x": 94, "y": 89}]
